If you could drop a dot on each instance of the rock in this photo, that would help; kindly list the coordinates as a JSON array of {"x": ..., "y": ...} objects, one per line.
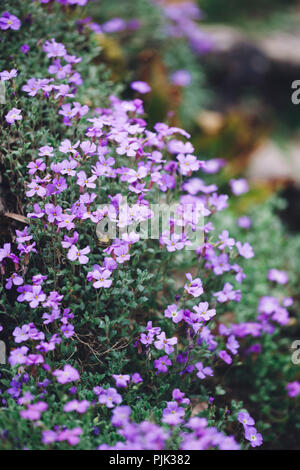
[{"x": 270, "y": 162}]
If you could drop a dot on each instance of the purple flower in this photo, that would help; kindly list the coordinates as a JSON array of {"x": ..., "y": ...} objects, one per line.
[
  {"x": 178, "y": 396},
  {"x": 109, "y": 397},
  {"x": 226, "y": 241},
  {"x": 188, "y": 163},
  {"x": 8, "y": 21},
  {"x": 33, "y": 412},
  {"x": 75, "y": 405},
  {"x": 68, "y": 374},
  {"x": 136, "y": 378},
  {"x": 239, "y": 186},
  {"x": 18, "y": 356},
  {"x": 245, "y": 250},
  {"x": 173, "y": 414},
  {"x": 122, "y": 380},
  {"x": 203, "y": 371},
  {"x": 54, "y": 49},
  {"x": 141, "y": 87},
  {"x": 35, "y": 296},
  {"x": 173, "y": 313},
  {"x": 162, "y": 364},
  {"x": 46, "y": 151},
  {"x": 293, "y": 389},
  {"x": 21, "y": 334},
  {"x": 122, "y": 254},
  {"x": 24, "y": 48},
  {"x": 232, "y": 344},
  {"x": 202, "y": 310},
  {"x": 8, "y": 75},
  {"x": 15, "y": 280},
  {"x": 245, "y": 419},
  {"x": 120, "y": 416},
  {"x": 114, "y": 25},
  {"x": 253, "y": 436},
  {"x": 194, "y": 287},
  {"x": 48, "y": 437},
  {"x": 225, "y": 357},
  {"x": 68, "y": 330},
  {"x": 70, "y": 435},
  {"x": 102, "y": 279},
  {"x": 163, "y": 343},
  {"x": 75, "y": 254},
  {"x": 13, "y": 115},
  {"x": 244, "y": 222},
  {"x": 181, "y": 78},
  {"x": 228, "y": 294},
  {"x": 280, "y": 277}
]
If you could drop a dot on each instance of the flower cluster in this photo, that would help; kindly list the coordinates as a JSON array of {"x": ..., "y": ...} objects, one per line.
[{"x": 65, "y": 277}]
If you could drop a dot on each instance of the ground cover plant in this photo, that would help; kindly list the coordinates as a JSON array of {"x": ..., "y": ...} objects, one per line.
[{"x": 123, "y": 341}]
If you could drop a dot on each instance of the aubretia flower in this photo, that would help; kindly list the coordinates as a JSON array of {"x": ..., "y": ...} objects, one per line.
[
  {"x": 293, "y": 389},
  {"x": 244, "y": 222},
  {"x": 162, "y": 364},
  {"x": 33, "y": 412},
  {"x": 35, "y": 296},
  {"x": 15, "y": 279},
  {"x": 101, "y": 278},
  {"x": 37, "y": 165},
  {"x": 8, "y": 21},
  {"x": 46, "y": 151},
  {"x": 232, "y": 345},
  {"x": 48, "y": 437},
  {"x": 141, "y": 87},
  {"x": 18, "y": 356},
  {"x": 70, "y": 435},
  {"x": 54, "y": 49},
  {"x": 188, "y": 163},
  {"x": 239, "y": 186},
  {"x": 225, "y": 357},
  {"x": 24, "y": 48},
  {"x": 109, "y": 397},
  {"x": 203, "y": 371},
  {"x": 122, "y": 254},
  {"x": 75, "y": 254},
  {"x": 83, "y": 180},
  {"x": 228, "y": 294},
  {"x": 181, "y": 78},
  {"x": 253, "y": 436},
  {"x": 173, "y": 414},
  {"x": 245, "y": 250},
  {"x": 136, "y": 378},
  {"x": 202, "y": 309},
  {"x": 120, "y": 416},
  {"x": 178, "y": 396},
  {"x": 163, "y": 343},
  {"x": 13, "y": 115},
  {"x": 280, "y": 277},
  {"x": 8, "y": 75},
  {"x": 194, "y": 287},
  {"x": 226, "y": 241},
  {"x": 68, "y": 374},
  {"x": 121, "y": 380},
  {"x": 21, "y": 334},
  {"x": 173, "y": 313},
  {"x": 75, "y": 405},
  {"x": 68, "y": 330},
  {"x": 245, "y": 419}
]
